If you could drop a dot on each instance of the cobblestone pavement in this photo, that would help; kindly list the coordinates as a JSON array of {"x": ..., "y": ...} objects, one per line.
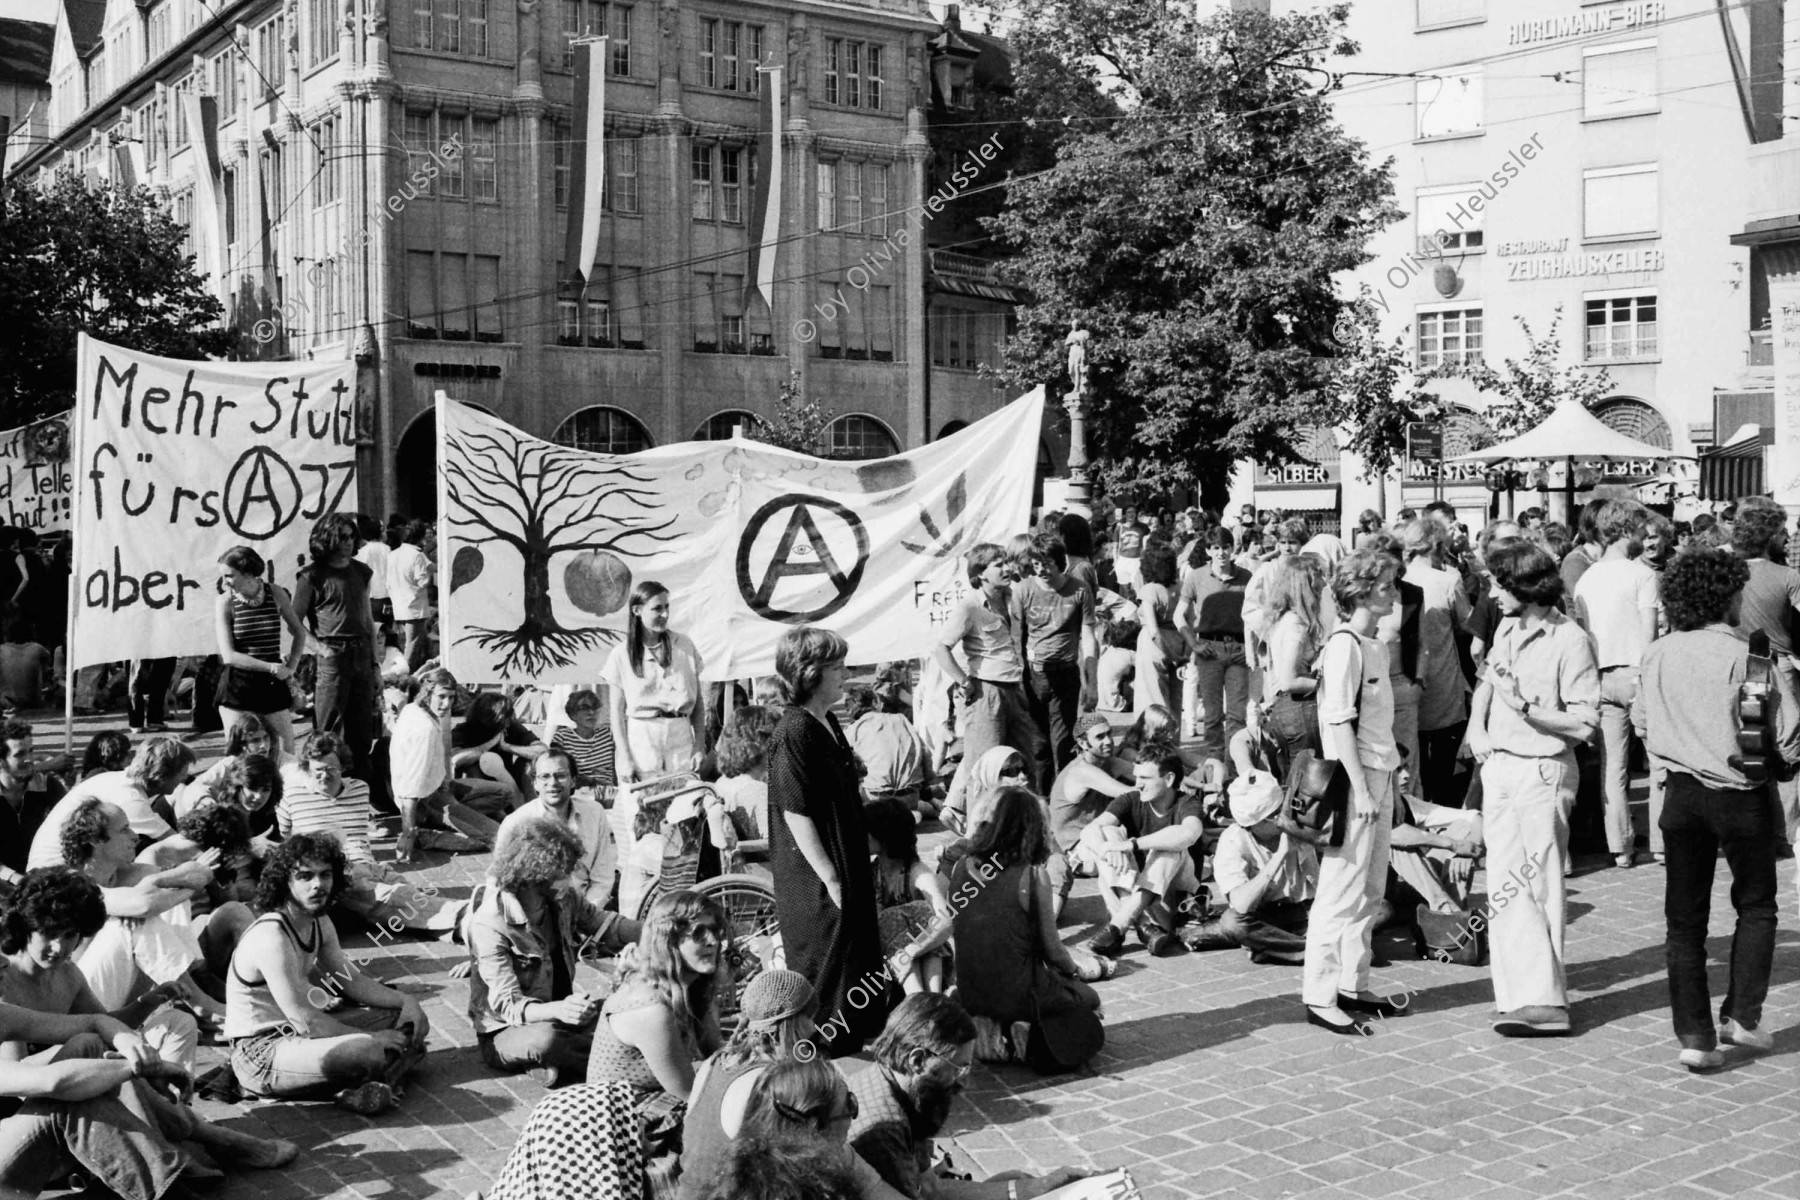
[{"x": 1211, "y": 1085}]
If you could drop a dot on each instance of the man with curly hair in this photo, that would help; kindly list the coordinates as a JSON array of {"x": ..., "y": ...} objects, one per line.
[
  {"x": 292, "y": 1037},
  {"x": 1539, "y": 698},
  {"x": 525, "y": 930},
  {"x": 1687, "y": 712}
]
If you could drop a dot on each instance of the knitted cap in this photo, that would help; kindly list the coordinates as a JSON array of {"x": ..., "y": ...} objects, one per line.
[
  {"x": 1090, "y": 721},
  {"x": 775, "y": 996}
]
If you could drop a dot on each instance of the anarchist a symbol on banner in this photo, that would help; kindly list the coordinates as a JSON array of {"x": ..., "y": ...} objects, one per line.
[{"x": 803, "y": 549}]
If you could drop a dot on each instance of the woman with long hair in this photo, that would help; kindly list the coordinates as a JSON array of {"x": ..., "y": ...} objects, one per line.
[
  {"x": 1160, "y": 646},
  {"x": 662, "y": 1020},
  {"x": 246, "y": 734},
  {"x": 247, "y": 621},
  {"x": 795, "y": 1142},
  {"x": 659, "y": 724},
  {"x": 819, "y": 844},
  {"x": 1290, "y": 673},
  {"x": 1012, "y": 967}
]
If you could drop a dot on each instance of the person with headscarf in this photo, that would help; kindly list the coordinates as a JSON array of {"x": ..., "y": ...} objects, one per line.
[{"x": 1265, "y": 868}]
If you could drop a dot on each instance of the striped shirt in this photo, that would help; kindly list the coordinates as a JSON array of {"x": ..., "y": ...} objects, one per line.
[
  {"x": 305, "y": 809},
  {"x": 256, "y": 628},
  {"x": 593, "y": 755}
]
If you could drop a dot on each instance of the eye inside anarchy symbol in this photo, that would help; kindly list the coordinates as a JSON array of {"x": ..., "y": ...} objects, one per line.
[{"x": 801, "y": 550}]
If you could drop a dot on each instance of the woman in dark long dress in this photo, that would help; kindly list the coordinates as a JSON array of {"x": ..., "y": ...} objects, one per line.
[{"x": 824, "y": 886}]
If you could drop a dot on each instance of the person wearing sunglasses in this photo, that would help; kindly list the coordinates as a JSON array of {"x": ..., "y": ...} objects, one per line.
[{"x": 663, "y": 1019}]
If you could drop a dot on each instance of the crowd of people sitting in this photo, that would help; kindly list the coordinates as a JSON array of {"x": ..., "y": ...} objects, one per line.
[{"x": 1280, "y": 749}]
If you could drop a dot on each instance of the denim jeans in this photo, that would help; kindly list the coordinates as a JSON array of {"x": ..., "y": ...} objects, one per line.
[
  {"x": 1698, "y": 822},
  {"x": 1618, "y": 687},
  {"x": 148, "y": 696},
  {"x": 539, "y": 1044},
  {"x": 1294, "y": 723},
  {"x": 1224, "y": 690},
  {"x": 344, "y": 701}
]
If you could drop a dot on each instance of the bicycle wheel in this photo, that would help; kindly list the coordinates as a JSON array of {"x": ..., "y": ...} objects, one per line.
[{"x": 749, "y": 905}]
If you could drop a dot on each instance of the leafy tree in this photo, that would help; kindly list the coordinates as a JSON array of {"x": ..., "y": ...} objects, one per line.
[
  {"x": 1527, "y": 389},
  {"x": 1196, "y": 236},
  {"x": 1375, "y": 392},
  {"x": 798, "y": 423},
  {"x": 100, "y": 259}
]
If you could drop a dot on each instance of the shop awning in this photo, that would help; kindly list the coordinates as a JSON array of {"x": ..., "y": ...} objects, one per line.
[
  {"x": 1735, "y": 470},
  {"x": 1297, "y": 499}
]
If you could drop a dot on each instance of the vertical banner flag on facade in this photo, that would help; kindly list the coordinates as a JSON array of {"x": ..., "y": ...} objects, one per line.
[
  {"x": 765, "y": 204},
  {"x": 1784, "y": 455},
  {"x": 587, "y": 167},
  {"x": 209, "y": 220},
  {"x": 36, "y": 484},
  {"x": 128, "y": 163},
  {"x": 540, "y": 545},
  {"x": 178, "y": 462}
]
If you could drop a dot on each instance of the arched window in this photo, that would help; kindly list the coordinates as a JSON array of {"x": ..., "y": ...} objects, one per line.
[
  {"x": 1635, "y": 419},
  {"x": 951, "y": 427},
  {"x": 1465, "y": 431},
  {"x": 1317, "y": 444},
  {"x": 604, "y": 430},
  {"x": 857, "y": 436},
  {"x": 718, "y": 427}
]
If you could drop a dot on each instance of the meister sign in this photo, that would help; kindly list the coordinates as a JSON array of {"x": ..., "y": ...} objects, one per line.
[{"x": 1587, "y": 22}]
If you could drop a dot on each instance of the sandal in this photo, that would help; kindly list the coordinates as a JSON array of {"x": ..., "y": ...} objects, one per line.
[{"x": 367, "y": 1100}]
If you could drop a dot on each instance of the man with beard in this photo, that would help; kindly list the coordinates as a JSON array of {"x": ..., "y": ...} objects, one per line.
[
  {"x": 922, "y": 1060},
  {"x": 292, "y": 1038}
]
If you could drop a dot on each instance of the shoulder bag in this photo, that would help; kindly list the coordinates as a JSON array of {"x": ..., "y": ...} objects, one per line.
[{"x": 1318, "y": 788}]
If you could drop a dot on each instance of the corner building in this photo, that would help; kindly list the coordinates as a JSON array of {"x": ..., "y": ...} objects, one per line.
[
  {"x": 393, "y": 183},
  {"x": 1590, "y": 156}
]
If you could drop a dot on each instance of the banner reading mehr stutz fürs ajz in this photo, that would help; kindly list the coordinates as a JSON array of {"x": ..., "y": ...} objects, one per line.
[
  {"x": 541, "y": 545},
  {"x": 177, "y": 462}
]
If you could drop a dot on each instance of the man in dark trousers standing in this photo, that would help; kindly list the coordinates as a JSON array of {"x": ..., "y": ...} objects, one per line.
[{"x": 332, "y": 597}]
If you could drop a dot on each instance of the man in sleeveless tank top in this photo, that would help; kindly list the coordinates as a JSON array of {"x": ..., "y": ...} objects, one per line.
[{"x": 284, "y": 1043}]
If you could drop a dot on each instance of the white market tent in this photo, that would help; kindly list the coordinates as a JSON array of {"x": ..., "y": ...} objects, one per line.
[{"x": 1570, "y": 431}]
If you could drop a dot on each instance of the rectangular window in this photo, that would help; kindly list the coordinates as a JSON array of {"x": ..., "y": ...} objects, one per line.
[
  {"x": 568, "y": 317},
  {"x": 881, "y": 323},
  {"x": 705, "y": 315},
  {"x": 559, "y": 170},
  {"x": 225, "y": 72},
  {"x": 828, "y": 195},
  {"x": 850, "y": 197},
  {"x": 448, "y": 27},
  {"x": 321, "y": 19},
  {"x": 1620, "y": 202},
  {"x": 418, "y": 148},
  {"x": 709, "y": 53},
  {"x": 872, "y": 77},
  {"x": 701, "y": 174},
  {"x": 487, "y": 298},
  {"x": 731, "y": 314},
  {"x": 620, "y": 43},
  {"x": 834, "y": 50},
  {"x": 728, "y": 56},
  {"x": 453, "y": 299},
  {"x": 1448, "y": 337},
  {"x": 483, "y": 165},
  {"x": 1450, "y": 12},
  {"x": 623, "y": 155},
  {"x": 274, "y": 186},
  {"x": 731, "y": 189},
  {"x": 574, "y": 17},
  {"x": 325, "y": 148},
  {"x": 178, "y": 98},
  {"x": 228, "y": 185},
  {"x": 1621, "y": 327},
  {"x": 1449, "y": 105},
  {"x": 599, "y": 318},
  {"x": 422, "y": 24},
  {"x": 1446, "y": 221},
  {"x": 475, "y": 21},
  {"x": 853, "y": 74},
  {"x": 421, "y": 295},
  {"x": 753, "y": 56},
  {"x": 452, "y": 180},
  {"x": 825, "y": 292},
  {"x": 628, "y": 309},
  {"x": 184, "y": 220},
  {"x": 271, "y": 54},
  {"x": 1619, "y": 80},
  {"x": 875, "y": 203}
]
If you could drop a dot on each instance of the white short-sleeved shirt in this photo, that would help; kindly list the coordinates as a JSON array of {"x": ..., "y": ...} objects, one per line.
[
  {"x": 1354, "y": 686},
  {"x": 659, "y": 691},
  {"x": 374, "y": 555},
  {"x": 114, "y": 787},
  {"x": 409, "y": 581},
  {"x": 1611, "y": 599},
  {"x": 417, "y": 762}
]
